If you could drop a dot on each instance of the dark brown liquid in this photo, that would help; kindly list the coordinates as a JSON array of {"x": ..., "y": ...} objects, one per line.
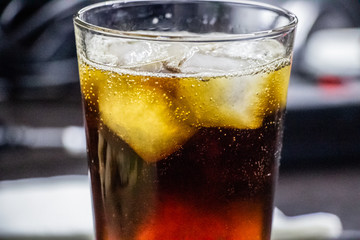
[{"x": 218, "y": 186}]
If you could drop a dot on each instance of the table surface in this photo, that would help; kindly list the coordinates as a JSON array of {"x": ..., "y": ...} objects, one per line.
[{"x": 335, "y": 191}]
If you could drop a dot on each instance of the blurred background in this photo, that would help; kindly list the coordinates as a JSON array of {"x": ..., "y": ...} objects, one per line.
[{"x": 41, "y": 133}]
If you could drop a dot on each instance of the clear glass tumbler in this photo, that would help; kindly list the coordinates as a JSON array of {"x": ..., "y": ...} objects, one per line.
[{"x": 184, "y": 103}]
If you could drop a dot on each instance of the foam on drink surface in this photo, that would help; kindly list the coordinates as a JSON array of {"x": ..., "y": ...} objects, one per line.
[{"x": 156, "y": 95}]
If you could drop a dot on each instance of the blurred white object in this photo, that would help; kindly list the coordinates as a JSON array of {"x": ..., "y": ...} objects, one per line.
[
  {"x": 60, "y": 207},
  {"x": 333, "y": 52},
  {"x": 307, "y": 13},
  {"x": 73, "y": 140},
  {"x": 46, "y": 207},
  {"x": 309, "y": 226}
]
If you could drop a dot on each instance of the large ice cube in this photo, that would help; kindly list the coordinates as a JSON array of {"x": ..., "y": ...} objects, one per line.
[
  {"x": 234, "y": 101},
  {"x": 239, "y": 84},
  {"x": 138, "y": 55},
  {"x": 141, "y": 114},
  {"x": 224, "y": 57},
  {"x": 126, "y": 53},
  {"x": 264, "y": 50},
  {"x": 201, "y": 63}
]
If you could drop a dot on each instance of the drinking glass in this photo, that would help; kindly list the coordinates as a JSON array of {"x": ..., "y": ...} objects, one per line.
[{"x": 183, "y": 104}]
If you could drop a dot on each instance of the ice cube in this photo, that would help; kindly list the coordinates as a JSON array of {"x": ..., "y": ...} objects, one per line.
[
  {"x": 97, "y": 50},
  {"x": 179, "y": 54},
  {"x": 138, "y": 55},
  {"x": 142, "y": 115},
  {"x": 201, "y": 63},
  {"x": 125, "y": 53},
  {"x": 234, "y": 101},
  {"x": 265, "y": 50},
  {"x": 227, "y": 56}
]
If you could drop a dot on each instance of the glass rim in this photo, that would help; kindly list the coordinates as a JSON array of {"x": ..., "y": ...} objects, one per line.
[{"x": 163, "y": 36}]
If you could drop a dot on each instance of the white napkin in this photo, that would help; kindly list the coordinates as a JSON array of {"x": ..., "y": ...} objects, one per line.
[
  {"x": 46, "y": 207},
  {"x": 308, "y": 226},
  {"x": 61, "y": 207}
]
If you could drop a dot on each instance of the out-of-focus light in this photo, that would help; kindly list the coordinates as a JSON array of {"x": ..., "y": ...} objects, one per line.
[{"x": 333, "y": 52}]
